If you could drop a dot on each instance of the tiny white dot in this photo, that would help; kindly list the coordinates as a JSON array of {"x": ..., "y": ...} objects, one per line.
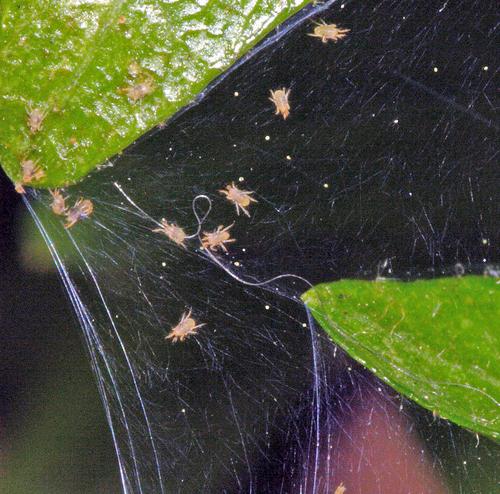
[
  {"x": 236, "y": 263},
  {"x": 304, "y": 325},
  {"x": 236, "y": 93},
  {"x": 241, "y": 179},
  {"x": 435, "y": 69},
  {"x": 267, "y": 138},
  {"x": 485, "y": 68},
  {"x": 183, "y": 410},
  {"x": 163, "y": 263},
  {"x": 485, "y": 241},
  {"x": 326, "y": 186},
  {"x": 396, "y": 121},
  {"x": 342, "y": 6},
  {"x": 288, "y": 157},
  {"x": 244, "y": 250},
  {"x": 234, "y": 145},
  {"x": 267, "y": 307}
]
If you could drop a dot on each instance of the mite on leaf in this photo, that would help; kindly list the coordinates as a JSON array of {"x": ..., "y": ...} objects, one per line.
[
  {"x": 218, "y": 238},
  {"x": 82, "y": 209},
  {"x": 143, "y": 85},
  {"x": 280, "y": 100},
  {"x": 31, "y": 172},
  {"x": 35, "y": 119},
  {"x": 173, "y": 232},
  {"x": 139, "y": 90},
  {"x": 58, "y": 204},
  {"x": 19, "y": 188},
  {"x": 240, "y": 198},
  {"x": 329, "y": 32},
  {"x": 185, "y": 327}
]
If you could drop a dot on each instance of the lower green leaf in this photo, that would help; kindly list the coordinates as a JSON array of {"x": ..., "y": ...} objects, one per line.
[{"x": 435, "y": 341}]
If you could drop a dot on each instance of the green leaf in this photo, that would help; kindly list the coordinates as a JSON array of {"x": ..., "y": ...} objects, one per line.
[
  {"x": 82, "y": 65},
  {"x": 435, "y": 341}
]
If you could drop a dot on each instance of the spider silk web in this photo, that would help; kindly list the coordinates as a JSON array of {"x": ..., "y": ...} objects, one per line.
[{"x": 385, "y": 167}]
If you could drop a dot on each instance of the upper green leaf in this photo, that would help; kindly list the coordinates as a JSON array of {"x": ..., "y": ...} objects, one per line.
[
  {"x": 435, "y": 341},
  {"x": 82, "y": 79}
]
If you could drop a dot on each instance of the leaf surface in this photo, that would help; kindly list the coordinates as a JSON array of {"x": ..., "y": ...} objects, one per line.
[
  {"x": 81, "y": 80},
  {"x": 435, "y": 341}
]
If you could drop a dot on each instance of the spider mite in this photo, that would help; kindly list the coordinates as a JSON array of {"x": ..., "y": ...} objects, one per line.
[
  {"x": 240, "y": 198},
  {"x": 18, "y": 186},
  {"x": 217, "y": 239},
  {"x": 142, "y": 87},
  {"x": 58, "y": 204},
  {"x": 173, "y": 232},
  {"x": 31, "y": 171},
  {"x": 140, "y": 90},
  {"x": 280, "y": 100},
  {"x": 35, "y": 119},
  {"x": 185, "y": 327},
  {"x": 340, "y": 489},
  {"x": 328, "y": 32},
  {"x": 82, "y": 209}
]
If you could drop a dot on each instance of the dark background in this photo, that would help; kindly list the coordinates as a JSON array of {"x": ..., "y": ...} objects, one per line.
[{"x": 53, "y": 435}]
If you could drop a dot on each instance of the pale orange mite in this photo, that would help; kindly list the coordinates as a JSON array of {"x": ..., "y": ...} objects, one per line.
[
  {"x": 187, "y": 326},
  {"x": 142, "y": 87},
  {"x": 19, "y": 188},
  {"x": 173, "y": 232},
  {"x": 139, "y": 91},
  {"x": 329, "y": 32},
  {"x": 82, "y": 209},
  {"x": 218, "y": 238},
  {"x": 58, "y": 204},
  {"x": 280, "y": 100},
  {"x": 240, "y": 198},
  {"x": 35, "y": 119},
  {"x": 31, "y": 171},
  {"x": 340, "y": 489}
]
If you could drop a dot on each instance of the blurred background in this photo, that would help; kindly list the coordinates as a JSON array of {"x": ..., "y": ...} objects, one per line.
[{"x": 53, "y": 434}]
